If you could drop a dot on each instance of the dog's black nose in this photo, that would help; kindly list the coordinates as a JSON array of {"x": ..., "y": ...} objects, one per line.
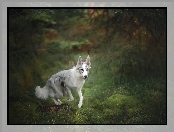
[{"x": 85, "y": 76}]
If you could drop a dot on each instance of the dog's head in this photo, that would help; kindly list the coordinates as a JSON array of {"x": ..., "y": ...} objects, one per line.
[{"x": 84, "y": 67}]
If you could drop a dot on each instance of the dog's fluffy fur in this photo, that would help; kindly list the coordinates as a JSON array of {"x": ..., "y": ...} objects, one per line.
[{"x": 65, "y": 81}]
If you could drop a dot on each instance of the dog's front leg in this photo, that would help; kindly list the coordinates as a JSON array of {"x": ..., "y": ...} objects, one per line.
[
  {"x": 81, "y": 98},
  {"x": 71, "y": 98}
]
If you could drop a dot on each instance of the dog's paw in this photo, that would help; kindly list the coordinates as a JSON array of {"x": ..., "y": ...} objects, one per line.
[
  {"x": 57, "y": 103},
  {"x": 79, "y": 105},
  {"x": 70, "y": 99}
]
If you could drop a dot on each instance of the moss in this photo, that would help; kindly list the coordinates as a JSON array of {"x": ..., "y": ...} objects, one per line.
[
  {"x": 121, "y": 109},
  {"x": 117, "y": 100}
]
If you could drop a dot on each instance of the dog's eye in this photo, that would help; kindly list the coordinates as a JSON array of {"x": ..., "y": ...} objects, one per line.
[{"x": 82, "y": 70}]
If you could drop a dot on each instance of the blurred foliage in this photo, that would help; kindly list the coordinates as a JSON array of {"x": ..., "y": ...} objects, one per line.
[{"x": 127, "y": 81}]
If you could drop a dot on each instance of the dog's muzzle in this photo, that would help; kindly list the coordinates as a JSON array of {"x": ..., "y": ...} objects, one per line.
[{"x": 85, "y": 76}]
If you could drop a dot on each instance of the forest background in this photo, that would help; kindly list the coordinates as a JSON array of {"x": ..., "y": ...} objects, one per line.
[{"x": 127, "y": 81}]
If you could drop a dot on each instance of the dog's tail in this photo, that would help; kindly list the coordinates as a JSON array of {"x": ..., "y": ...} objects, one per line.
[{"x": 42, "y": 93}]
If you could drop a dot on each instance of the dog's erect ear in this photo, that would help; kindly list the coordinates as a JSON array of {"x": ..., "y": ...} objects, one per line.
[
  {"x": 79, "y": 62},
  {"x": 88, "y": 61}
]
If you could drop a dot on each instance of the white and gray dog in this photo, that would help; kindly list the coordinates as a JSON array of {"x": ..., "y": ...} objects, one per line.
[{"x": 65, "y": 81}]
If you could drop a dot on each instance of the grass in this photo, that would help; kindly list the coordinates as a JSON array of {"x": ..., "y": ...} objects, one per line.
[{"x": 105, "y": 100}]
